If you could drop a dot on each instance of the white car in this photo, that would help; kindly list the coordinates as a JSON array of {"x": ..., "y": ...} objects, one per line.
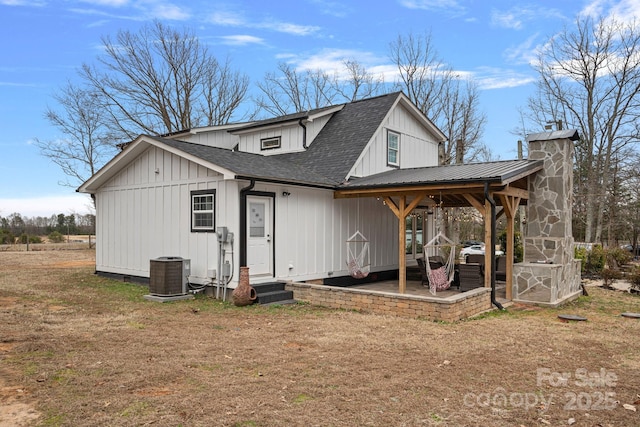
[{"x": 475, "y": 250}]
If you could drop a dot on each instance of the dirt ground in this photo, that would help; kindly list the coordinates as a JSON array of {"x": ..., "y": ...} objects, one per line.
[{"x": 79, "y": 350}]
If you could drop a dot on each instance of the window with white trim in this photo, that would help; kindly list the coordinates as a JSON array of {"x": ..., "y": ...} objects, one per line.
[
  {"x": 270, "y": 143},
  {"x": 393, "y": 148},
  {"x": 203, "y": 206}
]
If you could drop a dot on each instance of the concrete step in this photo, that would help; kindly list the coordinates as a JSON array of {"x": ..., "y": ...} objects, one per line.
[
  {"x": 283, "y": 302},
  {"x": 274, "y": 296},
  {"x": 268, "y": 287},
  {"x": 272, "y": 293}
]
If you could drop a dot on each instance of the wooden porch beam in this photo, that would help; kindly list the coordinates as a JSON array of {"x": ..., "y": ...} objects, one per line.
[
  {"x": 414, "y": 203},
  {"x": 474, "y": 202},
  {"x": 510, "y": 204},
  {"x": 419, "y": 189},
  {"x": 513, "y": 192},
  {"x": 402, "y": 241},
  {"x": 392, "y": 205},
  {"x": 401, "y": 210}
]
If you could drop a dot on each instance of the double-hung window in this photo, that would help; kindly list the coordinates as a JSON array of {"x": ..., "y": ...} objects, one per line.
[
  {"x": 393, "y": 148},
  {"x": 203, "y": 206}
]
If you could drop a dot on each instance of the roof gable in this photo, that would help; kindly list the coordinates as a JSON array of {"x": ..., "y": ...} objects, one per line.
[{"x": 340, "y": 143}]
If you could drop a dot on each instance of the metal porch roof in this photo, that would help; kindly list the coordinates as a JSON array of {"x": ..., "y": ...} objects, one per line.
[{"x": 502, "y": 173}]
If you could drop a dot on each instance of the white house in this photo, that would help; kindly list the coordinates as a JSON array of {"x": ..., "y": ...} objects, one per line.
[
  {"x": 271, "y": 183},
  {"x": 283, "y": 195}
]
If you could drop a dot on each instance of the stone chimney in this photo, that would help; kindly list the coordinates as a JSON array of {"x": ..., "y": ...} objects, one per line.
[{"x": 549, "y": 273}]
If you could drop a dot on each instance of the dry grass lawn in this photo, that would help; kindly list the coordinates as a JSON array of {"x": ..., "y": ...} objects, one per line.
[{"x": 79, "y": 350}]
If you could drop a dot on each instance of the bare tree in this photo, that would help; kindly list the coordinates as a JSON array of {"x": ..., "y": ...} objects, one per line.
[
  {"x": 437, "y": 90},
  {"x": 589, "y": 79},
  {"x": 356, "y": 82},
  {"x": 156, "y": 81},
  {"x": 85, "y": 143},
  {"x": 463, "y": 121},
  {"x": 289, "y": 90},
  {"x": 161, "y": 80},
  {"x": 423, "y": 75}
]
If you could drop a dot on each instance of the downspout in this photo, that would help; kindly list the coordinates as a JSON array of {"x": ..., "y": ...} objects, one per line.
[
  {"x": 243, "y": 221},
  {"x": 304, "y": 134},
  {"x": 492, "y": 263}
]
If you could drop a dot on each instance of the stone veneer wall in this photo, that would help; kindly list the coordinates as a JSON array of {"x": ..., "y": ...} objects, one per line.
[
  {"x": 549, "y": 273},
  {"x": 449, "y": 309}
]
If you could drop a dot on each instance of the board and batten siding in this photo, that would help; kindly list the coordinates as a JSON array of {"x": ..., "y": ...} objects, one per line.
[
  {"x": 311, "y": 230},
  {"x": 142, "y": 215},
  {"x": 217, "y": 138},
  {"x": 418, "y": 147},
  {"x": 290, "y": 137}
]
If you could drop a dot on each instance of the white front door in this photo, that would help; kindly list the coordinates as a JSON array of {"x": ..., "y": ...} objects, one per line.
[{"x": 259, "y": 236}]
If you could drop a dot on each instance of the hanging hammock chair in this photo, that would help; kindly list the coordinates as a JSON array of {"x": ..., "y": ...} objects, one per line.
[
  {"x": 442, "y": 248},
  {"x": 358, "y": 261}
]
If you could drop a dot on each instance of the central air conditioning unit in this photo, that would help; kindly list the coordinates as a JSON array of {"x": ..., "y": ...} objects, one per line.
[{"x": 169, "y": 276}]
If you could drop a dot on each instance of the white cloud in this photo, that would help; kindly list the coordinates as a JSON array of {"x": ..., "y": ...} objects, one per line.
[
  {"x": 110, "y": 3},
  {"x": 625, "y": 10},
  {"x": 332, "y": 61},
  {"x": 289, "y": 28},
  {"x": 33, "y": 3},
  {"x": 169, "y": 11},
  {"x": 227, "y": 19},
  {"x": 233, "y": 19},
  {"x": 333, "y": 8},
  {"x": 517, "y": 17},
  {"x": 286, "y": 56},
  {"x": 46, "y": 206},
  {"x": 509, "y": 19},
  {"x": 489, "y": 78},
  {"x": 98, "y": 23},
  {"x": 449, "y": 6},
  {"x": 525, "y": 52},
  {"x": 136, "y": 11},
  {"x": 594, "y": 9},
  {"x": 621, "y": 10},
  {"x": 241, "y": 40}
]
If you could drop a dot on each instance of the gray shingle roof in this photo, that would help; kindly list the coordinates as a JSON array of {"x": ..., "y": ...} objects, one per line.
[
  {"x": 326, "y": 162},
  {"x": 251, "y": 165},
  {"x": 495, "y": 172},
  {"x": 339, "y": 144}
]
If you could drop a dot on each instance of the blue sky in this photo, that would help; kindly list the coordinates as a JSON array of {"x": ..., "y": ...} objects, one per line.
[{"x": 43, "y": 43}]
